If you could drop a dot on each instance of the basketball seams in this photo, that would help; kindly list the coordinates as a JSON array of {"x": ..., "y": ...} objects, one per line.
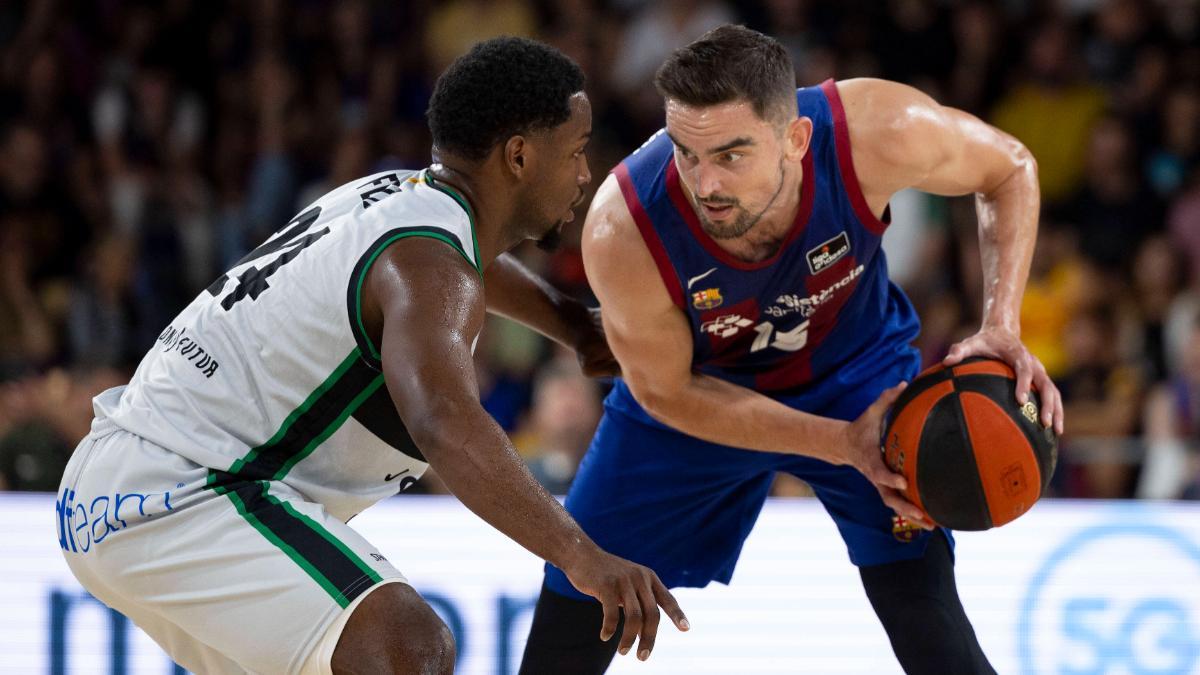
[
  {"x": 974, "y": 491},
  {"x": 994, "y": 386},
  {"x": 987, "y": 421}
]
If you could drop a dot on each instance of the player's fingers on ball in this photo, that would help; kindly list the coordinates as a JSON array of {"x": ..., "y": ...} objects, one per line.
[
  {"x": 1046, "y": 392},
  {"x": 889, "y": 397},
  {"x": 667, "y": 601},
  {"x": 1056, "y": 406},
  {"x": 885, "y": 478},
  {"x": 633, "y": 617},
  {"x": 908, "y": 511},
  {"x": 954, "y": 355},
  {"x": 1024, "y": 378}
]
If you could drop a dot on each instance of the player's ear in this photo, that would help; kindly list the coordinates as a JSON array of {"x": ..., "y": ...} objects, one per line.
[
  {"x": 797, "y": 137},
  {"x": 516, "y": 151}
]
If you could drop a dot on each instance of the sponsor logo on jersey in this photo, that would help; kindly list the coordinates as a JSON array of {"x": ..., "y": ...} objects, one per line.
[
  {"x": 903, "y": 530},
  {"x": 806, "y": 306},
  {"x": 725, "y": 326},
  {"x": 698, "y": 277},
  {"x": 709, "y": 298},
  {"x": 828, "y": 253}
]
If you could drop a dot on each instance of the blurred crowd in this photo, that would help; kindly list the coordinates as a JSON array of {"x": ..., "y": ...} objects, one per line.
[{"x": 145, "y": 146}]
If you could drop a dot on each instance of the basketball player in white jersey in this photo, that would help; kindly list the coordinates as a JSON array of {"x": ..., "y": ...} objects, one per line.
[{"x": 326, "y": 371}]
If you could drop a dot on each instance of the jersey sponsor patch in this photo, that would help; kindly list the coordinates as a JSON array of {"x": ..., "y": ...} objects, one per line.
[
  {"x": 828, "y": 253},
  {"x": 725, "y": 326}
]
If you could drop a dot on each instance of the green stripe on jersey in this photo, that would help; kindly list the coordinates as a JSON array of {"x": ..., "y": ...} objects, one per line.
[
  {"x": 359, "y": 277},
  {"x": 313, "y": 421}
]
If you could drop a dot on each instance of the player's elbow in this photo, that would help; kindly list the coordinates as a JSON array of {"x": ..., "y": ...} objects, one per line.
[{"x": 658, "y": 398}]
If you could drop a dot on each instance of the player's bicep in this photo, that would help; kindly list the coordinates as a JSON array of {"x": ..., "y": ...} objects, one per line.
[
  {"x": 430, "y": 305},
  {"x": 647, "y": 333},
  {"x": 902, "y": 138}
]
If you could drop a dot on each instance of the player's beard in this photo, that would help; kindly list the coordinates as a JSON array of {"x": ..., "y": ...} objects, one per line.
[{"x": 744, "y": 222}]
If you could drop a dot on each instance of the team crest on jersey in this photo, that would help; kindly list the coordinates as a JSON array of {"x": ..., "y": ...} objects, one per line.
[
  {"x": 709, "y": 298},
  {"x": 828, "y": 253},
  {"x": 903, "y": 530}
]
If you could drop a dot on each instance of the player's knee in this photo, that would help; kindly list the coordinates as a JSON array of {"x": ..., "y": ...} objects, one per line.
[{"x": 394, "y": 631}]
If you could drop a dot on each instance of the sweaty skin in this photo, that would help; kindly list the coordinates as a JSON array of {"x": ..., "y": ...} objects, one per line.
[
  {"x": 900, "y": 138},
  {"x": 424, "y": 305}
]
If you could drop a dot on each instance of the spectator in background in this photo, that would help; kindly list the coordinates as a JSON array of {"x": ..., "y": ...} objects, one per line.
[
  {"x": 1102, "y": 396},
  {"x": 1172, "y": 421},
  {"x": 1060, "y": 284},
  {"x": 1158, "y": 279},
  {"x": 455, "y": 25},
  {"x": 1178, "y": 148},
  {"x": 42, "y": 418},
  {"x": 27, "y": 339},
  {"x": 1052, "y": 110},
  {"x": 559, "y": 425},
  {"x": 654, "y": 31},
  {"x": 1114, "y": 209},
  {"x": 976, "y": 73},
  {"x": 102, "y": 313}
]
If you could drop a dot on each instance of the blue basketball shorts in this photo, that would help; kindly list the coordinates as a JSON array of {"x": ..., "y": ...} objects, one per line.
[{"x": 683, "y": 507}]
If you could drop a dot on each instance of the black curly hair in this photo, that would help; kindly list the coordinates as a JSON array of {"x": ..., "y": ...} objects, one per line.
[{"x": 501, "y": 88}]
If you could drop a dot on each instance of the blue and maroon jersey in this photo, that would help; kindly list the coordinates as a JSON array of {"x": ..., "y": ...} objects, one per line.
[{"x": 822, "y": 302}]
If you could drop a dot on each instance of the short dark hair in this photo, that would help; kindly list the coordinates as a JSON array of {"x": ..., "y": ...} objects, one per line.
[
  {"x": 503, "y": 87},
  {"x": 731, "y": 63}
]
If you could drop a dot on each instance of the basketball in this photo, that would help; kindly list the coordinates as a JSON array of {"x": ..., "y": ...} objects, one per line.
[{"x": 974, "y": 458}]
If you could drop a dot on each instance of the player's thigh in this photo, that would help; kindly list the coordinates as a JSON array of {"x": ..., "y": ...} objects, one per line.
[
  {"x": 674, "y": 503},
  {"x": 251, "y": 570}
]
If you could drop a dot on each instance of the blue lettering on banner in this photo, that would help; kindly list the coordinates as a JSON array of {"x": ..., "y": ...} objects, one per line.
[
  {"x": 1177, "y": 638},
  {"x": 80, "y": 527},
  {"x": 61, "y": 604}
]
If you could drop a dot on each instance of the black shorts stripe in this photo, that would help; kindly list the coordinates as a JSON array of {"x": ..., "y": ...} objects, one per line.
[{"x": 317, "y": 551}]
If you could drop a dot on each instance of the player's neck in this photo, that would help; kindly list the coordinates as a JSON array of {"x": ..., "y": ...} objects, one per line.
[{"x": 488, "y": 214}]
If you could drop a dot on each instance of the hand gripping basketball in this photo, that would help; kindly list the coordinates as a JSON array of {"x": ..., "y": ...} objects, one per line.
[{"x": 865, "y": 453}]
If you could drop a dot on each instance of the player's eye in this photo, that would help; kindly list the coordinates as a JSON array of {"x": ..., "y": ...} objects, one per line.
[{"x": 730, "y": 157}]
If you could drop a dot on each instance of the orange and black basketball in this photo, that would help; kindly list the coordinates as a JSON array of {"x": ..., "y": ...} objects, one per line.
[{"x": 974, "y": 458}]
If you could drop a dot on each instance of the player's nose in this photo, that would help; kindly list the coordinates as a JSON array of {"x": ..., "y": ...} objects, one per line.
[{"x": 707, "y": 182}]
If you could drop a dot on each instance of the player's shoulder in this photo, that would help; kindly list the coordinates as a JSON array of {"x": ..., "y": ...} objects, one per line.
[
  {"x": 890, "y": 125},
  {"x": 612, "y": 242}
]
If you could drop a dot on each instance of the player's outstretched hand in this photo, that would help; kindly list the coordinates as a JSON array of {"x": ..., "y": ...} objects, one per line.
[
  {"x": 619, "y": 584},
  {"x": 865, "y": 453},
  {"x": 1005, "y": 345}
]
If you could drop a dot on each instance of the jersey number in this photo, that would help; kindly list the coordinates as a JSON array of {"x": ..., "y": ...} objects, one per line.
[
  {"x": 789, "y": 341},
  {"x": 253, "y": 281}
]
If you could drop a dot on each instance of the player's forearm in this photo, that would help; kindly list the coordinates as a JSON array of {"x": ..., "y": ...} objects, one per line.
[
  {"x": 1008, "y": 218},
  {"x": 474, "y": 458},
  {"x": 515, "y": 292},
  {"x": 725, "y": 413}
]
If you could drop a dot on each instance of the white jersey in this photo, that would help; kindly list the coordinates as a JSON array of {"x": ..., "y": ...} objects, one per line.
[{"x": 270, "y": 374}]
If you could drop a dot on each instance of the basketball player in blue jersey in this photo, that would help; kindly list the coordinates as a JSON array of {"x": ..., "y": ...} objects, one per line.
[{"x": 736, "y": 256}]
